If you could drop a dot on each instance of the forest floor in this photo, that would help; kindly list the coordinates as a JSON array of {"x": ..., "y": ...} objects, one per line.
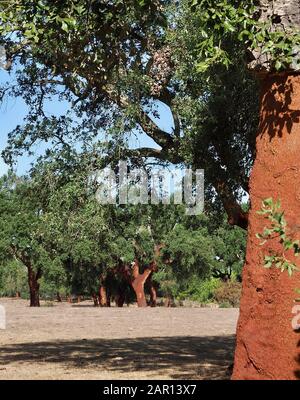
[{"x": 79, "y": 341}]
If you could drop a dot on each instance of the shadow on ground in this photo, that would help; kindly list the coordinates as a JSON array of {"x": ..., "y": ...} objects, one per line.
[{"x": 184, "y": 357}]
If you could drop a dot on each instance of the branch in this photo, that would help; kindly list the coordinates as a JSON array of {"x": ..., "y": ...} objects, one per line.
[
  {"x": 145, "y": 152},
  {"x": 162, "y": 138},
  {"x": 236, "y": 215},
  {"x": 167, "y": 98}
]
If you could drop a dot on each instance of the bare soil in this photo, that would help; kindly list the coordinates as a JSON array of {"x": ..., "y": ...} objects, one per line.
[{"x": 79, "y": 341}]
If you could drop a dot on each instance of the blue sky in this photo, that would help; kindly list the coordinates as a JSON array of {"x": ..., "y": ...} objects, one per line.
[{"x": 12, "y": 112}]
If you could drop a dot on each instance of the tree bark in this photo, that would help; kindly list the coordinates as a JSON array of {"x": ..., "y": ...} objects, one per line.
[
  {"x": 120, "y": 298},
  {"x": 284, "y": 16},
  {"x": 266, "y": 342},
  {"x": 138, "y": 283},
  {"x": 95, "y": 299},
  {"x": 58, "y": 297},
  {"x": 102, "y": 296},
  {"x": 153, "y": 293},
  {"x": 34, "y": 286}
]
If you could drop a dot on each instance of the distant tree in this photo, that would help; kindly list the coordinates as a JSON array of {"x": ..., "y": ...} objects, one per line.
[
  {"x": 23, "y": 232},
  {"x": 13, "y": 279},
  {"x": 230, "y": 248},
  {"x": 114, "y": 65}
]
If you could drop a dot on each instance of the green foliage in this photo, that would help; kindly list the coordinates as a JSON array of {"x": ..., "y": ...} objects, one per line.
[
  {"x": 219, "y": 21},
  {"x": 167, "y": 283},
  {"x": 53, "y": 281},
  {"x": 57, "y": 228},
  {"x": 13, "y": 279},
  {"x": 94, "y": 57},
  {"x": 112, "y": 65},
  {"x": 199, "y": 290},
  {"x": 22, "y": 231},
  {"x": 271, "y": 210},
  {"x": 228, "y": 293},
  {"x": 189, "y": 251},
  {"x": 225, "y": 20},
  {"x": 230, "y": 248}
]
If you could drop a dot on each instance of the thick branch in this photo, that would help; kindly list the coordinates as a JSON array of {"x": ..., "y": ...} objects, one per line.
[
  {"x": 162, "y": 138},
  {"x": 236, "y": 215}
]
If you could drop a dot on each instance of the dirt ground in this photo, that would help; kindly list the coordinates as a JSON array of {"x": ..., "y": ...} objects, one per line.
[{"x": 80, "y": 341}]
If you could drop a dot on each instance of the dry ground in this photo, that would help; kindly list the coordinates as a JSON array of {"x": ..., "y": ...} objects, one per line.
[{"x": 82, "y": 342}]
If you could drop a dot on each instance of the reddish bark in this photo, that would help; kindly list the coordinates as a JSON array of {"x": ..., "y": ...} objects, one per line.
[
  {"x": 266, "y": 342},
  {"x": 18, "y": 295},
  {"x": 138, "y": 282},
  {"x": 134, "y": 278},
  {"x": 102, "y": 296},
  {"x": 34, "y": 286}
]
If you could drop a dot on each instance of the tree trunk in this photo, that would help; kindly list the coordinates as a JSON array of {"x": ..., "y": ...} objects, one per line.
[
  {"x": 34, "y": 287},
  {"x": 102, "y": 296},
  {"x": 108, "y": 301},
  {"x": 138, "y": 287},
  {"x": 283, "y": 16},
  {"x": 58, "y": 297},
  {"x": 95, "y": 299},
  {"x": 153, "y": 294},
  {"x": 120, "y": 298},
  {"x": 168, "y": 301},
  {"x": 266, "y": 342},
  {"x": 138, "y": 283}
]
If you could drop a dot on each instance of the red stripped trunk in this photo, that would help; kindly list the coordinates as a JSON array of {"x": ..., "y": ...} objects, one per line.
[
  {"x": 267, "y": 346},
  {"x": 34, "y": 286},
  {"x": 138, "y": 283},
  {"x": 102, "y": 296}
]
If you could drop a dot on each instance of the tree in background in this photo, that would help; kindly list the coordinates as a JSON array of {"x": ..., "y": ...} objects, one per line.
[
  {"x": 107, "y": 251},
  {"x": 23, "y": 232},
  {"x": 114, "y": 65},
  {"x": 13, "y": 277}
]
